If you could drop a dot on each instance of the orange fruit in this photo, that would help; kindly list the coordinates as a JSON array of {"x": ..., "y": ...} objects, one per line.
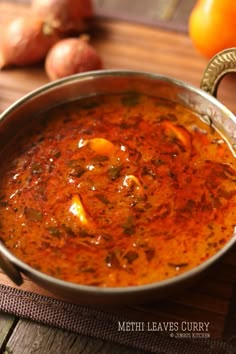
[{"x": 212, "y": 26}]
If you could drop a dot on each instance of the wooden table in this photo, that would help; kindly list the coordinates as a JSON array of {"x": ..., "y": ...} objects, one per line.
[{"x": 139, "y": 47}]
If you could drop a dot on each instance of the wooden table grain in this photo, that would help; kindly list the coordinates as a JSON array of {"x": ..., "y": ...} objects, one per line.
[{"x": 125, "y": 45}]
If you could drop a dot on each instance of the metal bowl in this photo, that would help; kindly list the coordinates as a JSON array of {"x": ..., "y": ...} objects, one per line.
[{"x": 200, "y": 101}]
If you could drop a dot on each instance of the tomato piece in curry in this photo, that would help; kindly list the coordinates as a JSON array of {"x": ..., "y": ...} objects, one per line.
[{"x": 117, "y": 190}]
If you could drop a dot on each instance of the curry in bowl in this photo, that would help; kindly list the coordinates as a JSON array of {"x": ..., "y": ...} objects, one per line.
[{"x": 117, "y": 190}]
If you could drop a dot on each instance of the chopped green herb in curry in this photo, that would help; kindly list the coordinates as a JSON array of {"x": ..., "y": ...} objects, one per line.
[{"x": 118, "y": 191}]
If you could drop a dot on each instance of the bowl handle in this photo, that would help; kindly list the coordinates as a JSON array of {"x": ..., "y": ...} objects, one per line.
[
  {"x": 221, "y": 64},
  {"x": 10, "y": 270}
]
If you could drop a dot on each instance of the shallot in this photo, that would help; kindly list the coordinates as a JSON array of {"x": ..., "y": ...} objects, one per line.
[
  {"x": 26, "y": 41},
  {"x": 65, "y": 15},
  {"x": 70, "y": 56}
]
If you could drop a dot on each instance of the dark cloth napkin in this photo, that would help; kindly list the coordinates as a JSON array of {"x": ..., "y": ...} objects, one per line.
[{"x": 100, "y": 323}]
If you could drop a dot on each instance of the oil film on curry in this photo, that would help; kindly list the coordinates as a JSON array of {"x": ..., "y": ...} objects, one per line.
[{"x": 117, "y": 190}]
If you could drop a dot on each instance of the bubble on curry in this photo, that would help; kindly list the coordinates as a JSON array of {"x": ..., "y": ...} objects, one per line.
[{"x": 117, "y": 190}]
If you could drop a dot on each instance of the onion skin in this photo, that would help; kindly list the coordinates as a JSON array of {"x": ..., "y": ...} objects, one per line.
[
  {"x": 26, "y": 41},
  {"x": 71, "y": 56},
  {"x": 65, "y": 15}
]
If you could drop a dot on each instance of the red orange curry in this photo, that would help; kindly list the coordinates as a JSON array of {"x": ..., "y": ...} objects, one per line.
[{"x": 117, "y": 190}]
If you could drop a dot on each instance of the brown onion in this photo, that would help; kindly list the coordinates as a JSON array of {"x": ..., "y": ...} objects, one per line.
[
  {"x": 26, "y": 41},
  {"x": 65, "y": 15},
  {"x": 70, "y": 56}
]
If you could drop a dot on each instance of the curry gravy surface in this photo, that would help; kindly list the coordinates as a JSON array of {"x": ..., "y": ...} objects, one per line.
[{"x": 117, "y": 191}]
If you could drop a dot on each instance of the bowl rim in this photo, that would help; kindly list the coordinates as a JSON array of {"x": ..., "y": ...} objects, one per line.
[
  {"x": 96, "y": 290},
  {"x": 26, "y": 269},
  {"x": 91, "y": 75}
]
